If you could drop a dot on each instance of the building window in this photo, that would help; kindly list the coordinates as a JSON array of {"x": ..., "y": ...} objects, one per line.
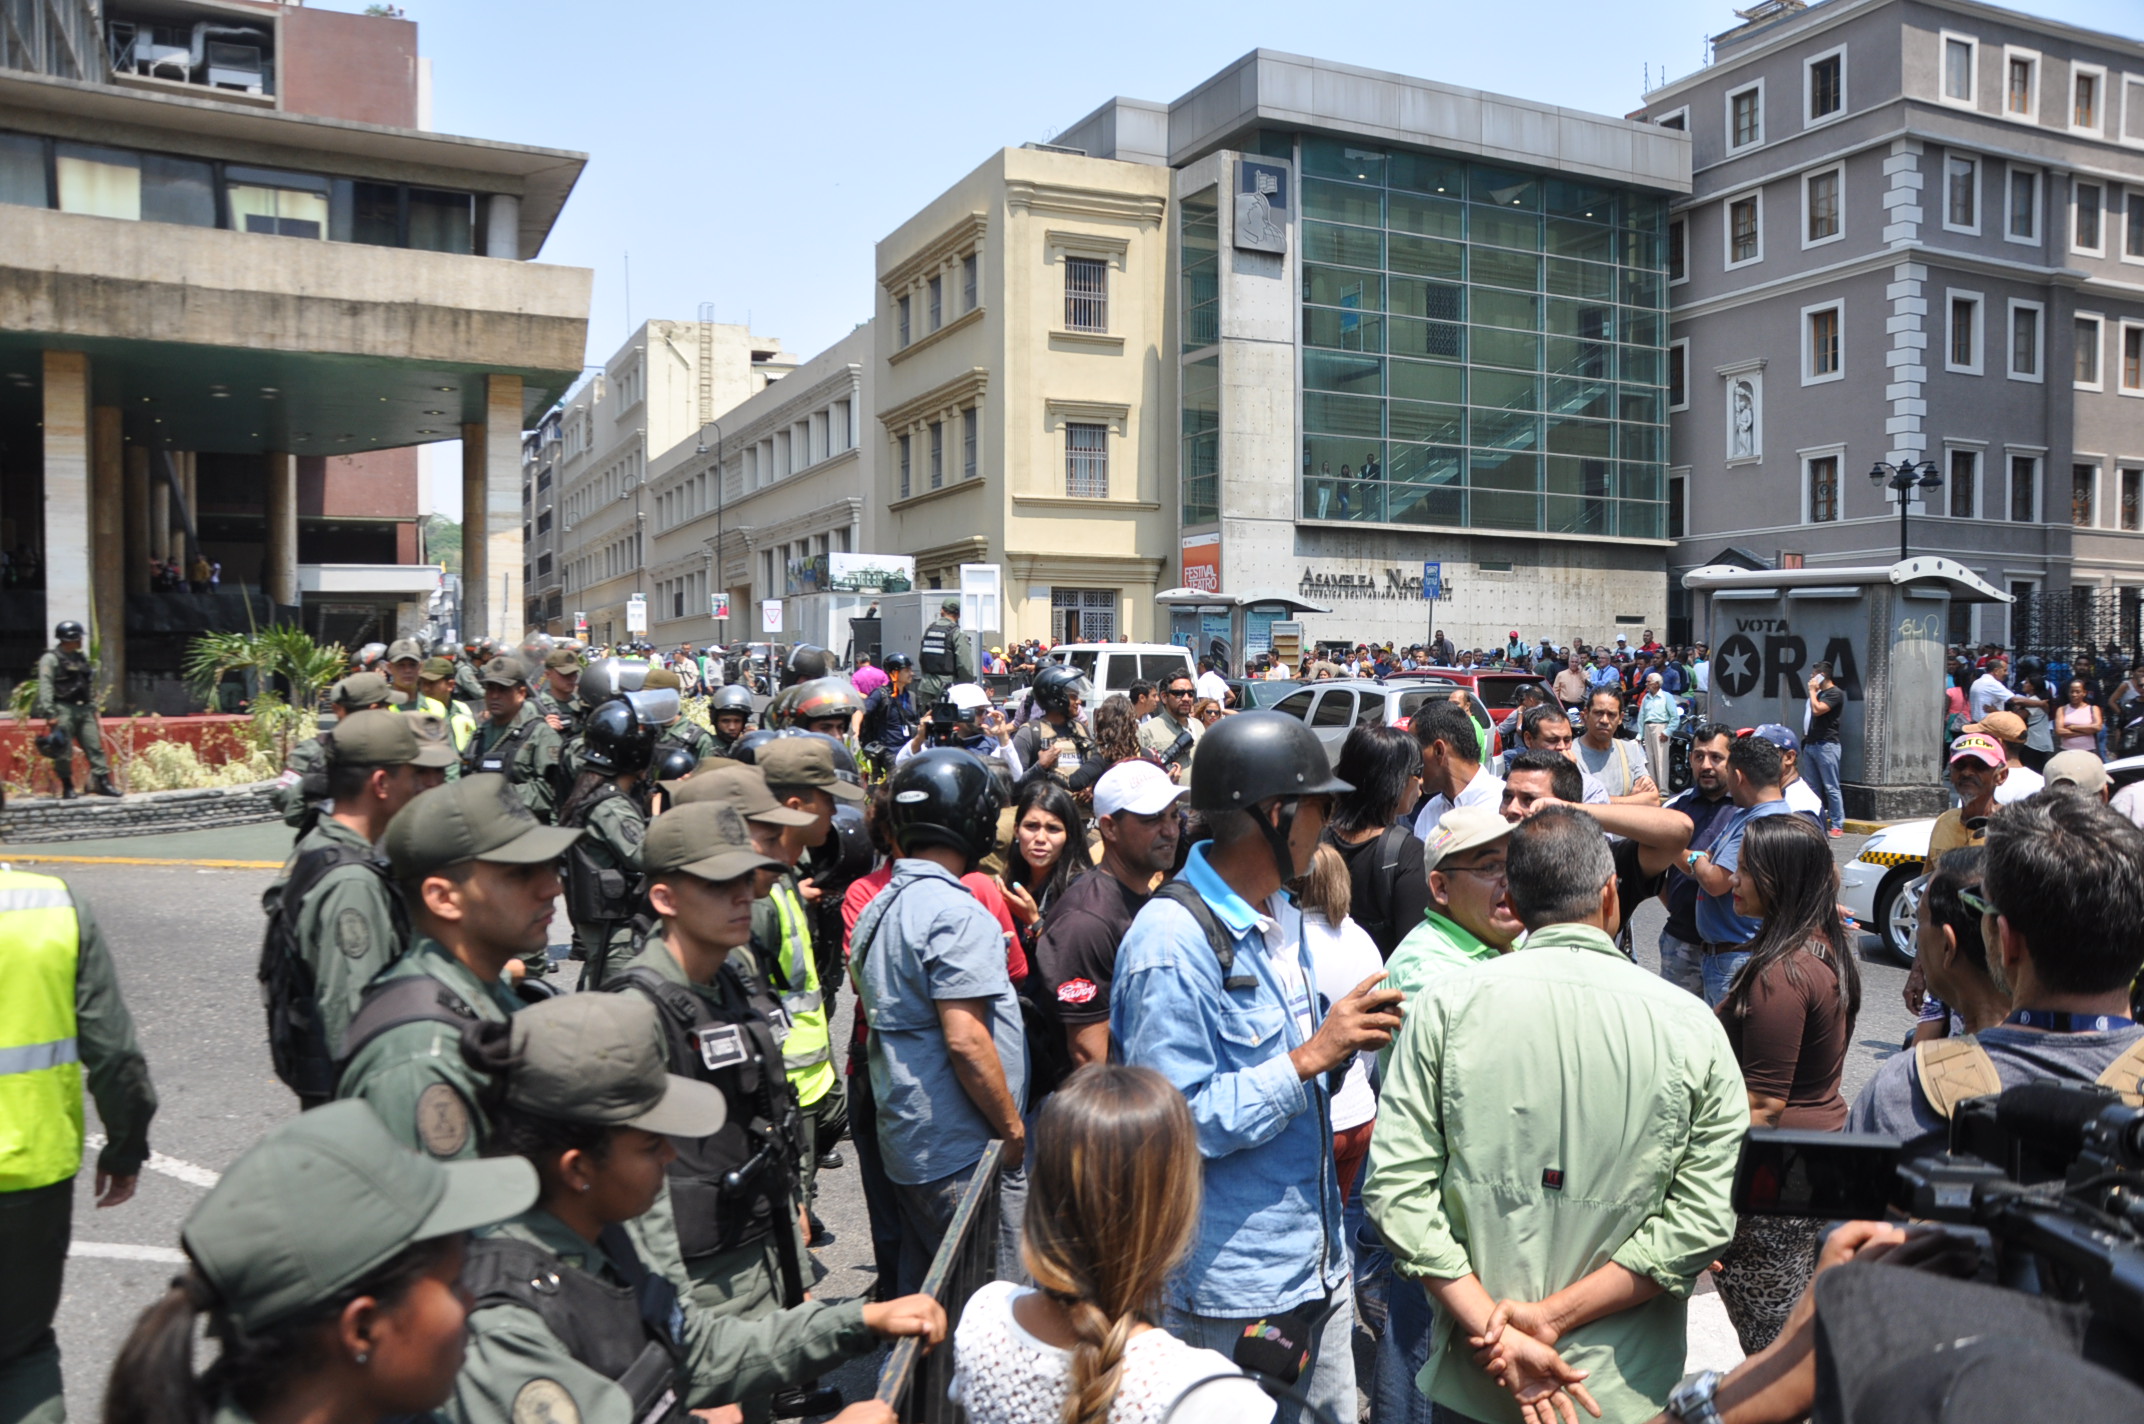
[
  {"x": 2133, "y": 248},
  {"x": 1964, "y": 484},
  {"x": 1678, "y": 496},
  {"x": 1823, "y": 358},
  {"x": 937, "y": 434},
  {"x": 1678, "y": 245},
  {"x": 2132, "y": 359},
  {"x": 1826, "y": 85},
  {"x": 968, "y": 293},
  {"x": 1745, "y": 117},
  {"x": 1820, "y": 205},
  {"x": 2021, "y": 217},
  {"x": 2025, "y": 341},
  {"x": 1086, "y": 461},
  {"x": 971, "y": 420},
  {"x": 2133, "y": 499},
  {"x": 1083, "y": 615},
  {"x": 1964, "y": 335},
  {"x": 1678, "y": 120},
  {"x": 900, "y": 309},
  {"x": 1679, "y": 376},
  {"x": 937, "y": 302},
  {"x": 2084, "y": 495},
  {"x": 2021, "y": 90},
  {"x": 2087, "y": 238},
  {"x": 1745, "y": 230},
  {"x": 903, "y": 442},
  {"x": 1961, "y": 193},
  {"x": 2024, "y": 488},
  {"x": 2084, "y": 98},
  {"x": 1960, "y": 69},
  {"x": 1823, "y": 489},
  {"x": 2087, "y": 376},
  {"x": 1086, "y": 294}
]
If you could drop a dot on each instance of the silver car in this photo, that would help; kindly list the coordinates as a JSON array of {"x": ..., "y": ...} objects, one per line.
[{"x": 1335, "y": 708}]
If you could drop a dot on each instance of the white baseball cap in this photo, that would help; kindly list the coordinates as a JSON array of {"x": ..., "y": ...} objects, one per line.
[{"x": 1137, "y": 786}]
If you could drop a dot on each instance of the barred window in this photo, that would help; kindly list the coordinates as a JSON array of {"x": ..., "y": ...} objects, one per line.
[
  {"x": 937, "y": 291},
  {"x": 1824, "y": 489},
  {"x": 1087, "y": 461},
  {"x": 937, "y": 454},
  {"x": 904, "y": 444},
  {"x": 1086, "y": 294},
  {"x": 970, "y": 420},
  {"x": 967, "y": 283},
  {"x": 1083, "y": 615}
]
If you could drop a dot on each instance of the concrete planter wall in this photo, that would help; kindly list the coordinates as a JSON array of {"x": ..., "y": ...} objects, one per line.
[{"x": 95, "y": 817}]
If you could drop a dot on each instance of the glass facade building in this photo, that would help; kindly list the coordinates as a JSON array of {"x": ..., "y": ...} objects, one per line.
[{"x": 1481, "y": 346}]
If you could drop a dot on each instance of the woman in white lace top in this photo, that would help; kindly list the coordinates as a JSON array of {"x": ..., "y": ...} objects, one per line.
[{"x": 1113, "y": 1197}]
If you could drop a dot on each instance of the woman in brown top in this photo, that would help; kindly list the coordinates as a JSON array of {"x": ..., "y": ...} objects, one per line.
[{"x": 1789, "y": 1015}]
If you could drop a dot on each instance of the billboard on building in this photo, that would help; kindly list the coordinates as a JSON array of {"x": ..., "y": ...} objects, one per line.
[
  {"x": 1202, "y": 562},
  {"x": 870, "y": 573}
]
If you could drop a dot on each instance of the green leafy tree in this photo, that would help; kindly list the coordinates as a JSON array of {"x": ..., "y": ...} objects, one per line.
[
  {"x": 279, "y": 651},
  {"x": 443, "y": 542}
]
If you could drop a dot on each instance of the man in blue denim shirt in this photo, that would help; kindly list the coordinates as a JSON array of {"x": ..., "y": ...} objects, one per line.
[{"x": 1250, "y": 1047}]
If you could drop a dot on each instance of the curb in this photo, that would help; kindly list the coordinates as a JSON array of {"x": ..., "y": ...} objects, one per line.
[
  {"x": 46, "y": 820},
  {"x": 1866, "y": 828},
  {"x": 33, "y": 858}
]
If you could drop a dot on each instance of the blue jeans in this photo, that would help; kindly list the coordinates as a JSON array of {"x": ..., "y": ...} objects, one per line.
[
  {"x": 1682, "y": 963},
  {"x": 1402, "y": 1351},
  {"x": 927, "y": 1208},
  {"x": 1720, "y": 972},
  {"x": 1820, "y": 767},
  {"x": 1328, "y": 1381}
]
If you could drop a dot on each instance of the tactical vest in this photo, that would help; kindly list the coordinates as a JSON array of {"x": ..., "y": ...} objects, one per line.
[
  {"x": 729, "y": 1189},
  {"x": 633, "y": 1335},
  {"x": 40, "y": 1063},
  {"x": 936, "y": 656},
  {"x": 71, "y": 678},
  {"x": 290, "y": 993},
  {"x": 503, "y": 753},
  {"x": 391, "y": 1003},
  {"x": 595, "y": 893},
  {"x": 808, "y": 1052}
]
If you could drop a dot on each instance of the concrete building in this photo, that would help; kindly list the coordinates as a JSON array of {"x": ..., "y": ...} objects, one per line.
[
  {"x": 235, "y": 260},
  {"x": 660, "y": 388},
  {"x": 1280, "y": 343},
  {"x": 1915, "y": 233},
  {"x": 773, "y": 488}
]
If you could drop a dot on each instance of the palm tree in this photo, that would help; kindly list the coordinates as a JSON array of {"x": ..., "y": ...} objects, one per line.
[{"x": 277, "y": 651}]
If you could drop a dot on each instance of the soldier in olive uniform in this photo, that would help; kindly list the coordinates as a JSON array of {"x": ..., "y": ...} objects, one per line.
[
  {"x": 478, "y": 873},
  {"x": 514, "y": 741},
  {"x": 332, "y": 909},
  {"x": 603, "y": 868},
  {"x": 730, "y": 709},
  {"x": 682, "y": 731},
  {"x": 62, "y": 991},
  {"x": 324, "y": 1264},
  {"x": 435, "y": 679},
  {"x": 559, "y": 699},
  {"x": 303, "y": 785},
  {"x": 67, "y": 700},
  {"x": 568, "y": 1323},
  {"x": 468, "y": 670},
  {"x": 943, "y": 657}
]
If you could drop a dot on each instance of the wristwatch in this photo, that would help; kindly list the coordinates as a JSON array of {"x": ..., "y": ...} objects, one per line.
[
  {"x": 1692, "y": 1401},
  {"x": 1689, "y": 861}
]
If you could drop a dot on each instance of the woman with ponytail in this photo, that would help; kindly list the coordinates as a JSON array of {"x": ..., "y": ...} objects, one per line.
[
  {"x": 326, "y": 1265},
  {"x": 1113, "y": 1200}
]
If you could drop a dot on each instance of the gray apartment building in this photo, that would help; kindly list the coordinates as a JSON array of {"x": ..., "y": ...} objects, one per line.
[{"x": 1915, "y": 231}]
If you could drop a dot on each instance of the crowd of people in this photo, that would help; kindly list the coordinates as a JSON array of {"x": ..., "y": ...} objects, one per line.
[{"x": 1258, "y": 1042}]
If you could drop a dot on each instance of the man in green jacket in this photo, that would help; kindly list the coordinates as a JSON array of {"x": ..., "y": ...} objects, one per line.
[{"x": 1624, "y": 1155}]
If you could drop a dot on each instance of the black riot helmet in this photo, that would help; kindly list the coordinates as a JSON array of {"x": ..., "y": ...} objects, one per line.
[
  {"x": 897, "y": 662},
  {"x": 845, "y": 856},
  {"x": 805, "y": 662},
  {"x": 1259, "y": 756},
  {"x": 944, "y": 797},
  {"x": 1056, "y": 685},
  {"x": 730, "y": 697},
  {"x": 68, "y": 632},
  {"x": 746, "y": 748},
  {"x": 671, "y": 762},
  {"x": 615, "y": 740}
]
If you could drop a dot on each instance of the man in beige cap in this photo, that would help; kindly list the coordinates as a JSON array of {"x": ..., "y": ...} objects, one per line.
[
  {"x": 300, "y": 789},
  {"x": 333, "y": 920},
  {"x": 514, "y": 740},
  {"x": 479, "y": 874},
  {"x": 2081, "y": 769},
  {"x": 1468, "y": 920},
  {"x": 2009, "y": 729}
]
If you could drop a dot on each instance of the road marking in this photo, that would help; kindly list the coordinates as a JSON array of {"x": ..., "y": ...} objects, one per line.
[
  {"x": 115, "y": 1251},
  {"x": 186, "y": 1172},
  {"x": 34, "y": 858}
]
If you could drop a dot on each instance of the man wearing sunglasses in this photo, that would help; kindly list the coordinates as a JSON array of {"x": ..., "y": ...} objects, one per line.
[
  {"x": 2061, "y": 901},
  {"x": 1164, "y": 734}
]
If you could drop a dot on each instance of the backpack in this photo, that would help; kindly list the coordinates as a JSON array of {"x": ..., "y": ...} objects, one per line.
[
  {"x": 1951, "y": 1070},
  {"x": 290, "y": 995}
]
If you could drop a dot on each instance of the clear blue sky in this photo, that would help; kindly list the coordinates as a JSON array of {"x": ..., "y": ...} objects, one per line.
[{"x": 752, "y": 156}]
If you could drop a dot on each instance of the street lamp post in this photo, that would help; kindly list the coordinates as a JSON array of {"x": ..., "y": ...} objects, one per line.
[
  {"x": 1904, "y": 478},
  {"x": 714, "y": 570}
]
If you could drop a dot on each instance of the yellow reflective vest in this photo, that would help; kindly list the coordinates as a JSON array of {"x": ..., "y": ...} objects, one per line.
[
  {"x": 40, "y": 1064},
  {"x": 808, "y": 1051}
]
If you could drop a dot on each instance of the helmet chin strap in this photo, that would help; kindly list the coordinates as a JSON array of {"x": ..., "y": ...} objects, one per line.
[{"x": 1277, "y": 836}]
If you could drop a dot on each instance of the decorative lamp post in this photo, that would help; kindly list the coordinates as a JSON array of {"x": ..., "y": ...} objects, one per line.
[{"x": 1904, "y": 478}]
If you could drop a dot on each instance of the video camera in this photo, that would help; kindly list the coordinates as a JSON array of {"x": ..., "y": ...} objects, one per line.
[
  {"x": 2046, "y": 1180},
  {"x": 944, "y": 727}
]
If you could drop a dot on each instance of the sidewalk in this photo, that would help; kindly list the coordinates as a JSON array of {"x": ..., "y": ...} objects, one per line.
[{"x": 262, "y": 844}]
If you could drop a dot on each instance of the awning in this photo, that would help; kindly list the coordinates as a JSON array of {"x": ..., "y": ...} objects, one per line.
[{"x": 1963, "y": 585}]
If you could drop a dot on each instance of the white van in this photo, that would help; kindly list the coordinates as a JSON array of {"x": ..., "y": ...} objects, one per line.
[{"x": 1114, "y": 667}]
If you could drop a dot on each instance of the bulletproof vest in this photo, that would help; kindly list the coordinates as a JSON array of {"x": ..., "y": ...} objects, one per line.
[
  {"x": 71, "y": 678},
  {"x": 500, "y": 758},
  {"x": 595, "y": 891},
  {"x": 391, "y": 1003},
  {"x": 728, "y": 1189},
  {"x": 297, "y": 1040},
  {"x": 935, "y": 656},
  {"x": 633, "y": 1335}
]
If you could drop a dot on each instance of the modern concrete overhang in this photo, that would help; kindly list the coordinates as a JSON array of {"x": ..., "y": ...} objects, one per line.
[
  {"x": 1960, "y": 582},
  {"x": 227, "y": 341},
  {"x": 541, "y": 178}
]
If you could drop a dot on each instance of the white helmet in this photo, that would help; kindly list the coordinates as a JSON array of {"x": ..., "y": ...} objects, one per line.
[{"x": 967, "y": 696}]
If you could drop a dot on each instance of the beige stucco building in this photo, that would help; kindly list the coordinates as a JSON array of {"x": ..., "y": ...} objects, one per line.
[{"x": 1023, "y": 409}]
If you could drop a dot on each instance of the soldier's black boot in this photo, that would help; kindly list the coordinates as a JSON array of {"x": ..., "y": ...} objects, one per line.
[
  {"x": 104, "y": 787},
  {"x": 67, "y": 791}
]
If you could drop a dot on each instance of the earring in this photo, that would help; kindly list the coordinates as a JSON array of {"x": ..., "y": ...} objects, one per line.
[
  {"x": 581, "y": 1187},
  {"x": 364, "y": 1357}
]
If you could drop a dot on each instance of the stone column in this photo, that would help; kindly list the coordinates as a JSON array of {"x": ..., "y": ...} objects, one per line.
[
  {"x": 65, "y": 555},
  {"x": 475, "y": 563},
  {"x": 140, "y": 542},
  {"x": 192, "y": 482},
  {"x": 108, "y": 547},
  {"x": 282, "y": 475},
  {"x": 502, "y": 506},
  {"x": 159, "y": 518}
]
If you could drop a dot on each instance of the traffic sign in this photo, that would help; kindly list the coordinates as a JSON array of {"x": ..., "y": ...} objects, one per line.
[
  {"x": 636, "y": 613},
  {"x": 770, "y": 615},
  {"x": 1432, "y": 581}
]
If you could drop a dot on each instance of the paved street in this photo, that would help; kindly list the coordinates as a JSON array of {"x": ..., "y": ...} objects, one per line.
[{"x": 186, "y": 940}]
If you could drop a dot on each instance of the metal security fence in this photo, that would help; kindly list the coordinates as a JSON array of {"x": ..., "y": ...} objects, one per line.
[
  {"x": 915, "y": 1382},
  {"x": 2066, "y": 623}
]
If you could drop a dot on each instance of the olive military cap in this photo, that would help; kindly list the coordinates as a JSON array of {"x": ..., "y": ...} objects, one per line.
[
  {"x": 660, "y": 678},
  {"x": 739, "y": 786},
  {"x": 360, "y": 689},
  {"x": 805, "y": 761},
  {"x": 602, "y": 1058},
  {"x": 328, "y": 1198},
  {"x": 436, "y": 669},
  {"x": 706, "y": 839},
  {"x": 405, "y": 648},
  {"x": 476, "y": 818},
  {"x": 504, "y": 671},
  {"x": 376, "y": 737},
  {"x": 562, "y": 660}
]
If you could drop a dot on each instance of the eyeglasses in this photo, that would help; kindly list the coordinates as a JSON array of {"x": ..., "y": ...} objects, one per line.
[
  {"x": 1974, "y": 898},
  {"x": 1179, "y": 691},
  {"x": 1487, "y": 874}
]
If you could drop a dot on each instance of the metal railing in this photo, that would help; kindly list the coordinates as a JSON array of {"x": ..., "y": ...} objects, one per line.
[{"x": 914, "y": 1382}]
